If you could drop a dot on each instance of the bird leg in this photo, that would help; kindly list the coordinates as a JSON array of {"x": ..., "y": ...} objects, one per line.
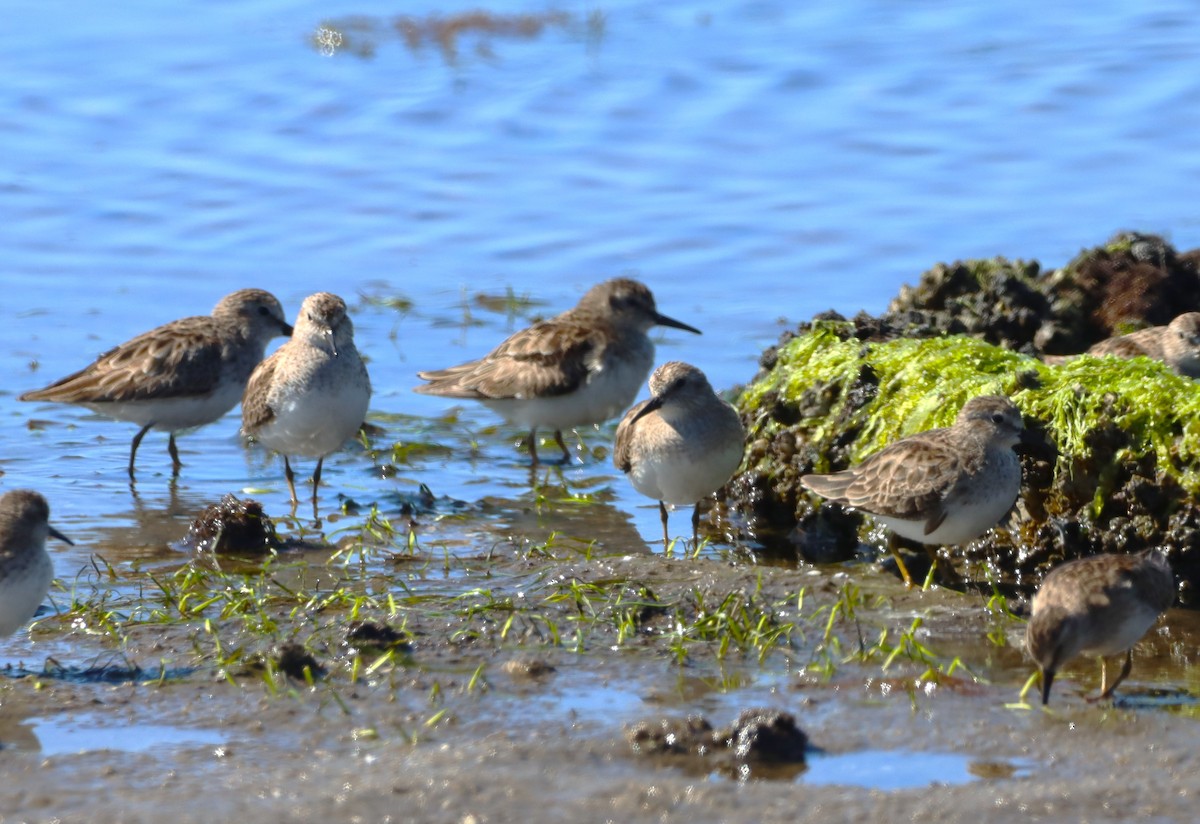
[
  {"x": 947, "y": 574},
  {"x": 316, "y": 478},
  {"x": 316, "y": 482},
  {"x": 291, "y": 480},
  {"x": 137, "y": 440},
  {"x": 696, "y": 526},
  {"x": 931, "y": 552},
  {"x": 533, "y": 445},
  {"x": 662, "y": 510},
  {"x": 174, "y": 453},
  {"x": 1106, "y": 689},
  {"x": 892, "y": 548},
  {"x": 566, "y": 452}
]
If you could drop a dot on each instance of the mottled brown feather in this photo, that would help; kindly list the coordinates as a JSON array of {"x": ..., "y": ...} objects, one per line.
[
  {"x": 1144, "y": 343},
  {"x": 905, "y": 479},
  {"x": 547, "y": 359},
  {"x": 623, "y": 447},
  {"x": 152, "y": 366},
  {"x": 1086, "y": 585},
  {"x": 256, "y": 412}
]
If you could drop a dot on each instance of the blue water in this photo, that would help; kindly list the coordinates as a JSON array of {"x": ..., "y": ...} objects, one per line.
[
  {"x": 751, "y": 161},
  {"x": 888, "y": 770},
  {"x": 85, "y": 733}
]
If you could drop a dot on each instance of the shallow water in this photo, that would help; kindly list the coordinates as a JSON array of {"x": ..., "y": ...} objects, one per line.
[
  {"x": 61, "y": 736},
  {"x": 754, "y": 163},
  {"x": 808, "y": 157}
]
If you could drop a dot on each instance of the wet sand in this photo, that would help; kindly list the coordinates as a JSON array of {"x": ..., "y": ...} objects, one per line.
[{"x": 551, "y": 745}]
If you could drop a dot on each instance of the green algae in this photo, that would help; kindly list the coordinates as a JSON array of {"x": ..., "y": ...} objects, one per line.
[
  {"x": 921, "y": 383},
  {"x": 1157, "y": 412},
  {"x": 1099, "y": 413}
]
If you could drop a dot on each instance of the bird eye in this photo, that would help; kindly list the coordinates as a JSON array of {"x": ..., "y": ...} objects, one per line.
[
  {"x": 264, "y": 311},
  {"x": 997, "y": 417}
]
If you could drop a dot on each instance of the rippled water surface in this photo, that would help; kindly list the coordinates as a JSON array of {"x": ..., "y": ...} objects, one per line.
[
  {"x": 751, "y": 161},
  {"x": 754, "y": 162}
]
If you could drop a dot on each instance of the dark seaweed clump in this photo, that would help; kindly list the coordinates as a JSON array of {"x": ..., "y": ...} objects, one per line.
[
  {"x": 232, "y": 526},
  {"x": 757, "y": 738}
]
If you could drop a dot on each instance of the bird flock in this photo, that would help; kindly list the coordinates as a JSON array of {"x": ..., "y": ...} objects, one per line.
[{"x": 585, "y": 366}]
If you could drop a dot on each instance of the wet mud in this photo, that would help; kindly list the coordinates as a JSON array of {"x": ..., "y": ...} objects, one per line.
[{"x": 480, "y": 716}]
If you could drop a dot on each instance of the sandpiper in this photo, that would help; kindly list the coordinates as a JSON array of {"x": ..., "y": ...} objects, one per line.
[
  {"x": 181, "y": 375},
  {"x": 1177, "y": 345},
  {"x": 943, "y": 486},
  {"x": 25, "y": 567},
  {"x": 681, "y": 444},
  {"x": 581, "y": 367},
  {"x": 1097, "y": 606},
  {"x": 311, "y": 395}
]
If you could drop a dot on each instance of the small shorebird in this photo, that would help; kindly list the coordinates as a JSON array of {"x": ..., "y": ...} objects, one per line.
[
  {"x": 25, "y": 567},
  {"x": 943, "y": 486},
  {"x": 1097, "y": 606},
  {"x": 1177, "y": 345},
  {"x": 311, "y": 395},
  {"x": 581, "y": 367},
  {"x": 181, "y": 375},
  {"x": 681, "y": 444}
]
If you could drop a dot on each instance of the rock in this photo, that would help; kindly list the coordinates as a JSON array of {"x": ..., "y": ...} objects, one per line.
[
  {"x": 1120, "y": 471},
  {"x": 757, "y": 738}
]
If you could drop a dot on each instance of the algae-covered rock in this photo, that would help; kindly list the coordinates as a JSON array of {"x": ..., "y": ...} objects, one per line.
[
  {"x": 1132, "y": 281},
  {"x": 1123, "y": 469}
]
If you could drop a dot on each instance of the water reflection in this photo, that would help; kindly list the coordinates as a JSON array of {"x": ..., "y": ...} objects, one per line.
[
  {"x": 560, "y": 507},
  {"x": 148, "y": 529},
  {"x": 362, "y": 35},
  {"x": 90, "y": 732}
]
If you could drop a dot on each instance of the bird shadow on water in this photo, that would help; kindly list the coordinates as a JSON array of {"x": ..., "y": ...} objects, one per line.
[
  {"x": 1174, "y": 701},
  {"x": 108, "y": 668}
]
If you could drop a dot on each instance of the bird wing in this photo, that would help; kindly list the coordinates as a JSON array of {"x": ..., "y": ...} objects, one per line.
[
  {"x": 547, "y": 359},
  {"x": 256, "y": 410},
  {"x": 623, "y": 445},
  {"x": 180, "y": 359},
  {"x": 906, "y": 479},
  {"x": 1133, "y": 345}
]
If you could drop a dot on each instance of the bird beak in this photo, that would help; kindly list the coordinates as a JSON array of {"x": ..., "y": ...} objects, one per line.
[
  {"x": 54, "y": 533},
  {"x": 654, "y": 403},
  {"x": 329, "y": 337},
  {"x": 287, "y": 328},
  {"x": 663, "y": 320}
]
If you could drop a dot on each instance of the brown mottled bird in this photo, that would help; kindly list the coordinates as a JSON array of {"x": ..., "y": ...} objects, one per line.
[
  {"x": 943, "y": 486},
  {"x": 1098, "y": 606},
  {"x": 1177, "y": 345},
  {"x": 181, "y": 375},
  {"x": 581, "y": 367}
]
